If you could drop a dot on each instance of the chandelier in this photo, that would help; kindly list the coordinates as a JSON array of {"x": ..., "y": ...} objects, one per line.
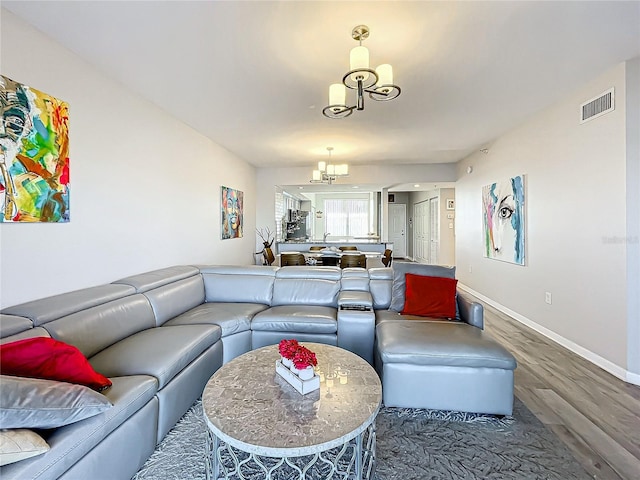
[
  {"x": 377, "y": 83},
  {"x": 328, "y": 172}
]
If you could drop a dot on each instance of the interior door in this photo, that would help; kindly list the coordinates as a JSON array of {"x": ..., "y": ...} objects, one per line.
[
  {"x": 434, "y": 229},
  {"x": 398, "y": 228},
  {"x": 421, "y": 232}
]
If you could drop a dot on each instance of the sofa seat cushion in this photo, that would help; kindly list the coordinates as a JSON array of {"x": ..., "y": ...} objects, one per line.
[
  {"x": 440, "y": 343},
  {"x": 231, "y": 317},
  {"x": 297, "y": 318},
  {"x": 160, "y": 352},
  {"x": 70, "y": 443}
]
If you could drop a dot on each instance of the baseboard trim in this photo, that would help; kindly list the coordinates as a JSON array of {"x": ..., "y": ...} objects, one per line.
[
  {"x": 594, "y": 358},
  {"x": 633, "y": 378}
]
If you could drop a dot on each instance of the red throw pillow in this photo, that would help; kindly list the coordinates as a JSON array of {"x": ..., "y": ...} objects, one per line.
[
  {"x": 430, "y": 296},
  {"x": 43, "y": 357}
]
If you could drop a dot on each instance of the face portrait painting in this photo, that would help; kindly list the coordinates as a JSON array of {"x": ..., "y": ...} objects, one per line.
[
  {"x": 231, "y": 213},
  {"x": 503, "y": 220}
]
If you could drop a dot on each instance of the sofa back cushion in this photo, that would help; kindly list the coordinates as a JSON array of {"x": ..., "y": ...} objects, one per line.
[
  {"x": 238, "y": 284},
  {"x": 12, "y": 324},
  {"x": 380, "y": 283},
  {"x": 300, "y": 285},
  {"x": 143, "y": 282},
  {"x": 355, "y": 279},
  {"x": 30, "y": 333},
  {"x": 99, "y": 327},
  {"x": 51, "y": 308},
  {"x": 172, "y": 300},
  {"x": 171, "y": 291},
  {"x": 400, "y": 269}
]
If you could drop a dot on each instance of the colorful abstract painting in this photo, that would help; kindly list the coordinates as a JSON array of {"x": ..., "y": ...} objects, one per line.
[
  {"x": 231, "y": 213},
  {"x": 503, "y": 220},
  {"x": 34, "y": 155}
]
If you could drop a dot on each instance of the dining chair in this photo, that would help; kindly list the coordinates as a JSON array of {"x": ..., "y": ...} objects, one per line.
[
  {"x": 387, "y": 258},
  {"x": 348, "y": 248},
  {"x": 268, "y": 255},
  {"x": 290, "y": 259},
  {"x": 353, "y": 260},
  {"x": 316, "y": 247}
]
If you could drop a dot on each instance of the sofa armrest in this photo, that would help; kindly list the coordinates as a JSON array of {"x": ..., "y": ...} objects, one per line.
[
  {"x": 471, "y": 312},
  {"x": 355, "y": 300},
  {"x": 356, "y": 323}
]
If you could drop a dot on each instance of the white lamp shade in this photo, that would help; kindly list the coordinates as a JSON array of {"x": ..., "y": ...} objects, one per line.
[
  {"x": 385, "y": 74},
  {"x": 322, "y": 166},
  {"x": 331, "y": 169},
  {"x": 359, "y": 58},
  {"x": 337, "y": 94},
  {"x": 316, "y": 176}
]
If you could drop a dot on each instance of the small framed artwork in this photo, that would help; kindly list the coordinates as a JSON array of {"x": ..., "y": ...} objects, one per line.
[
  {"x": 392, "y": 198},
  {"x": 232, "y": 210},
  {"x": 451, "y": 204}
]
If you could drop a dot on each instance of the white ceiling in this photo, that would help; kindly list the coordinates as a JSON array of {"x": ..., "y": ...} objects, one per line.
[{"x": 254, "y": 76}]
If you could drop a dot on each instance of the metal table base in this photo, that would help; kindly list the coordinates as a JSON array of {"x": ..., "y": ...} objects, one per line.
[{"x": 354, "y": 460}]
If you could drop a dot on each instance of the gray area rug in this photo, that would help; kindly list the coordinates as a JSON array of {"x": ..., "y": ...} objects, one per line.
[{"x": 412, "y": 444}]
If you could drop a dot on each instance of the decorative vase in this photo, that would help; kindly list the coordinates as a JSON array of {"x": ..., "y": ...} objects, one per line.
[
  {"x": 287, "y": 363},
  {"x": 304, "y": 373}
]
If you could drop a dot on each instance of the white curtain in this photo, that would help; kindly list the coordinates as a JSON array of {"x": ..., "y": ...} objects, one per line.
[{"x": 348, "y": 218}]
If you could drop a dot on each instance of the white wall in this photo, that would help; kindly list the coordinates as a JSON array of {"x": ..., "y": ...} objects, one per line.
[
  {"x": 145, "y": 188},
  {"x": 575, "y": 225}
]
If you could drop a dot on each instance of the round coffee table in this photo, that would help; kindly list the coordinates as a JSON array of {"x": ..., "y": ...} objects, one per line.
[{"x": 261, "y": 427}]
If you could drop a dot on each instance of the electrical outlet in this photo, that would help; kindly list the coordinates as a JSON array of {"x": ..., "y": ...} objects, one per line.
[
  {"x": 547, "y": 297},
  {"x": 470, "y": 269}
]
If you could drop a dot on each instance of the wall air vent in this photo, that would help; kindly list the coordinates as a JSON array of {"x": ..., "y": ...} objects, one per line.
[{"x": 598, "y": 106}]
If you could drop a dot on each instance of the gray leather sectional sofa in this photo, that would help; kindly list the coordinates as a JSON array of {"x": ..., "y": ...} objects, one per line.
[{"x": 160, "y": 335}]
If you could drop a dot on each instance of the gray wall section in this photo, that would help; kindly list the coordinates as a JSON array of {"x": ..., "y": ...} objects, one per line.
[
  {"x": 633, "y": 216},
  {"x": 577, "y": 214}
]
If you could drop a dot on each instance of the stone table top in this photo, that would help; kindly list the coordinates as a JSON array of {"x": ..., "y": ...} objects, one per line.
[{"x": 247, "y": 405}]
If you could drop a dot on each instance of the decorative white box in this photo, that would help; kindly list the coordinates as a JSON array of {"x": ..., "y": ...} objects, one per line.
[{"x": 302, "y": 386}]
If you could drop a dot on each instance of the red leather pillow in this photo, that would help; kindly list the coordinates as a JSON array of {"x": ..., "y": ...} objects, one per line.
[
  {"x": 43, "y": 357},
  {"x": 430, "y": 296}
]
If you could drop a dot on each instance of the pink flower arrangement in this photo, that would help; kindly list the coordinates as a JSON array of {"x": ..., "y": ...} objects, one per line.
[
  {"x": 288, "y": 348},
  {"x": 304, "y": 358},
  {"x": 301, "y": 356}
]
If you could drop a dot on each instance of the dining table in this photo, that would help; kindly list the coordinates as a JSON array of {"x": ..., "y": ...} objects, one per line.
[{"x": 331, "y": 257}]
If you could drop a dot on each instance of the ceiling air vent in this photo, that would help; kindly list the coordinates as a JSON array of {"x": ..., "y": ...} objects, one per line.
[{"x": 597, "y": 107}]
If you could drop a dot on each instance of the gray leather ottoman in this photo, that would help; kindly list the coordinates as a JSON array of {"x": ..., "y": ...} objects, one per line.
[{"x": 443, "y": 365}]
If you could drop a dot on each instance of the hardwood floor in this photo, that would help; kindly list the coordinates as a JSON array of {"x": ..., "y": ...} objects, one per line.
[{"x": 594, "y": 413}]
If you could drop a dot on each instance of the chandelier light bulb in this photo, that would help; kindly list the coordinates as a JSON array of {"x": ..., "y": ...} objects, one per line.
[
  {"x": 331, "y": 169},
  {"x": 338, "y": 94},
  {"x": 316, "y": 176},
  {"x": 322, "y": 166},
  {"x": 359, "y": 59},
  {"x": 385, "y": 74}
]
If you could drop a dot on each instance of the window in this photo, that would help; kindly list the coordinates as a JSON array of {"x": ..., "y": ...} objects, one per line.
[{"x": 346, "y": 217}]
